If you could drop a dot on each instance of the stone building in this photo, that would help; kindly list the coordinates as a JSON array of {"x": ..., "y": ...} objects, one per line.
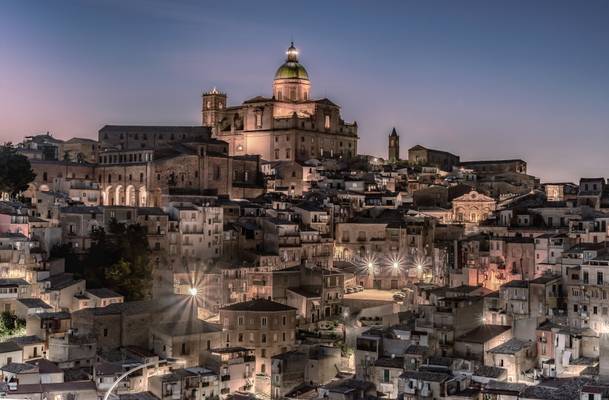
[
  {"x": 146, "y": 166},
  {"x": 492, "y": 167},
  {"x": 150, "y": 177},
  {"x": 287, "y": 126},
  {"x": 430, "y": 157},
  {"x": 79, "y": 150},
  {"x": 260, "y": 324},
  {"x": 472, "y": 207}
]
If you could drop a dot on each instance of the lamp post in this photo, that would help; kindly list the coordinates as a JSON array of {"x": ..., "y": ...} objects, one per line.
[{"x": 123, "y": 376}]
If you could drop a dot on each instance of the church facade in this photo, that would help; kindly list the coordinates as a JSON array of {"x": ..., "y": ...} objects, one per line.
[{"x": 288, "y": 126}]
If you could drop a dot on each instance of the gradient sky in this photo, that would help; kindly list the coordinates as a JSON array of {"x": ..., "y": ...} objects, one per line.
[{"x": 482, "y": 79}]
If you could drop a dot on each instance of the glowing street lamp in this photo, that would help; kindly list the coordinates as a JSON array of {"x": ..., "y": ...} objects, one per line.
[{"x": 193, "y": 291}]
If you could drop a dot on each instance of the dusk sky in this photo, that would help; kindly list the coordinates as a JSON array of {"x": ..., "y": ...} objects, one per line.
[{"x": 482, "y": 79}]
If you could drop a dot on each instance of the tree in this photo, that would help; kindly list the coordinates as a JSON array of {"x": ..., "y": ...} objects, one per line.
[
  {"x": 10, "y": 325},
  {"x": 15, "y": 171},
  {"x": 119, "y": 259}
]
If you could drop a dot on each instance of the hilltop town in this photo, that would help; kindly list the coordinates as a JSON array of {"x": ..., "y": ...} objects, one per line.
[{"x": 262, "y": 254}]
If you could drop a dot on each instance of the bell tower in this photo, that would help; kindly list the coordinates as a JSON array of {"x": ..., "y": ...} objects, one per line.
[
  {"x": 394, "y": 147},
  {"x": 214, "y": 102}
]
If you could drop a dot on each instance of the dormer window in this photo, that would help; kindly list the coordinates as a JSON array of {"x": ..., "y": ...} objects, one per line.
[{"x": 327, "y": 122}]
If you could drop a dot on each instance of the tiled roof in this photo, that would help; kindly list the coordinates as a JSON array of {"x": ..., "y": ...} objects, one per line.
[{"x": 258, "y": 305}]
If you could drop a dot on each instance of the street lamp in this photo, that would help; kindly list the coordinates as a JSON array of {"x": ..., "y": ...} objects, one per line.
[{"x": 193, "y": 291}]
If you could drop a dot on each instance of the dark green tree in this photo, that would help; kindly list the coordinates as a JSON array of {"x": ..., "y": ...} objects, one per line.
[
  {"x": 119, "y": 259},
  {"x": 10, "y": 325},
  {"x": 15, "y": 171}
]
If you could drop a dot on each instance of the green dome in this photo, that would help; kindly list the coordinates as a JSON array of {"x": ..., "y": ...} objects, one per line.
[{"x": 291, "y": 70}]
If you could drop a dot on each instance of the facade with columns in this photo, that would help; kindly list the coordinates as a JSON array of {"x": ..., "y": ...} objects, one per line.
[
  {"x": 288, "y": 126},
  {"x": 130, "y": 172}
]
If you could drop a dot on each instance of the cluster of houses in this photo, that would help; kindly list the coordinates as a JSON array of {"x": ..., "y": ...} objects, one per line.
[{"x": 336, "y": 277}]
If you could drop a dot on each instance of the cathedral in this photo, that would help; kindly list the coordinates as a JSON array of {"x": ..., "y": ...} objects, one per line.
[{"x": 288, "y": 126}]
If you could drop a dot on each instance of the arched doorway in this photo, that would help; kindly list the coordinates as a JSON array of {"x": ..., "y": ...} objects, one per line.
[
  {"x": 130, "y": 199},
  {"x": 142, "y": 196},
  {"x": 107, "y": 196},
  {"x": 119, "y": 196}
]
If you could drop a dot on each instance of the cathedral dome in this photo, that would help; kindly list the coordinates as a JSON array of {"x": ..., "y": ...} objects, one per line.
[{"x": 292, "y": 69}]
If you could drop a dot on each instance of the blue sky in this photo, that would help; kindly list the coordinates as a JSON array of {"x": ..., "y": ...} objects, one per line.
[{"x": 482, "y": 79}]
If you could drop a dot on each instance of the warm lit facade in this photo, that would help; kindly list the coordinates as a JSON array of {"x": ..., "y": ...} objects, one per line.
[
  {"x": 472, "y": 207},
  {"x": 290, "y": 125}
]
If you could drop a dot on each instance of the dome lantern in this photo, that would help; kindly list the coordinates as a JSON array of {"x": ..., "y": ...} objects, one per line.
[
  {"x": 292, "y": 53},
  {"x": 291, "y": 81}
]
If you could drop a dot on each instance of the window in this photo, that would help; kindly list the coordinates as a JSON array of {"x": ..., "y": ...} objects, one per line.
[
  {"x": 263, "y": 321},
  {"x": 287, "y": 153},
  {"x": 327, "y": 122},
  {"x": 599, "y": 278},
  {"x": 259, "y": 119},
  {"x": 263, "y": 338},
  {"x": 240, "y": 321}
]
